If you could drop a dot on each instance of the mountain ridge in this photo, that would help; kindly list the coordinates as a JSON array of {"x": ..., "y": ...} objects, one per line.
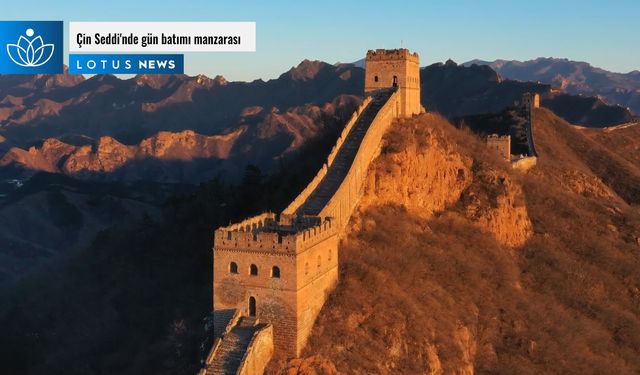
[{"x": 573, "y": 77}]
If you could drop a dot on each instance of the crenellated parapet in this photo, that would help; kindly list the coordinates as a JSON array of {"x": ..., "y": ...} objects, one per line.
[
  {"x": 252, "y": 223},
  {"x": 392, "y": 54},
  {"x": 317, "y": 233},
  {"x": 264, "y": 234}
]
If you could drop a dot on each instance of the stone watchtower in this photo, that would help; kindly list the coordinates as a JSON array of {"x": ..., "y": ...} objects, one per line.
[
  {"x": 531, "y": 100},
  {"x": 279, "y": 272},
  {"x": 385, "y": 68},
  {"x": 502, "y": 144}
]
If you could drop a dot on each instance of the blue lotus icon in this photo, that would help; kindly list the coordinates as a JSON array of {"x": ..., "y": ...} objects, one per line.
[{"x": 30, "y": 51}]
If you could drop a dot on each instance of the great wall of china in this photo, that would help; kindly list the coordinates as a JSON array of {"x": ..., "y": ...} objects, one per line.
[{"x": 272, "y": 273}]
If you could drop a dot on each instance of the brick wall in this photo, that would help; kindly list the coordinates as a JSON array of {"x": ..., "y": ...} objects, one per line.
[
  {"x": 348, "y": 194},
  {"x": 259, "y": 353},
  {"x": 302, "y": 197}
]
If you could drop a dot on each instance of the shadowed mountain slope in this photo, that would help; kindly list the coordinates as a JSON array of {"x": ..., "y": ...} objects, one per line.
[
  {"x": 574, "y": 77},
  {"x": 457, "y": 90}
]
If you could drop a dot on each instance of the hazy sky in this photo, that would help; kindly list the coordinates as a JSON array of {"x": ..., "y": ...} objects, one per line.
[{"x": 605, "y": 34}]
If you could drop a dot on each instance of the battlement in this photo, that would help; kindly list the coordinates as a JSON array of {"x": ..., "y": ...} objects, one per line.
[
  {"x": 392, "y": 54},
  {"x": 264, "y": 234},
  {"x": 498, "y": 137},
  {"x": 252, "y": 223},
  {"x": 312, "y": 235}
]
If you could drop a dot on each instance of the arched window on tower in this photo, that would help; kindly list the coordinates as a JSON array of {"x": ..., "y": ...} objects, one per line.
[
  {"x": 395, "y": 81},
  {"x": 253, "y": 270},
  {"x": 375, "y": 78},
  {"x": 233, "y": 267},
  {"x": 275, "y": 272}
]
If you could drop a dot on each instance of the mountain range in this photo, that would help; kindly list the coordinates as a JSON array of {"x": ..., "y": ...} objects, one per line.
[
  {"x": 154, "y": 135},
  {"x": 573, "y": 77},
  {"x": 151, "y": 127}
]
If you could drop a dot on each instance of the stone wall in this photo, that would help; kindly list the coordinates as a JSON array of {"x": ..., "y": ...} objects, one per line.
[
  {"x": 252, "y": 223},
  {"x": 317, "y": 276},
  {"x": 346, "y": 197},
  {"x": 302, "y": 197},
  {"x": 219, "y": 333},
  {"x": 531, "y": 100},
  {"x": 259, "y": 353}
]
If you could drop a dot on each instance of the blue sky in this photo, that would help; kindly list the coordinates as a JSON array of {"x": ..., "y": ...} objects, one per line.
[{"x": 605, "y": 34}]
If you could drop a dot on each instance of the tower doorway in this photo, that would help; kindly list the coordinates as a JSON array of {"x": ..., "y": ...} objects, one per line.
[{"x": 252, "y": 306}]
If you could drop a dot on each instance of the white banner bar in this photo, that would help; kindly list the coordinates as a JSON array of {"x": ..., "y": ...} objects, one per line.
[{"x": 162, "y": 37}]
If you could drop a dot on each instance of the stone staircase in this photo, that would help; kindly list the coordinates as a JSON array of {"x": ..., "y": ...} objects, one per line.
[
  {"x": 229, "y": 355},
  {"x": 336, "y": 173},
  {"x": 221, "y": 319}
]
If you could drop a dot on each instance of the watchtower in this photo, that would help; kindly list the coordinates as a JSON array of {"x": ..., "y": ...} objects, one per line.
[
  {"x": 385, "y": 68},
  {"x": 502, "y": 144},
  {"x": 279, "y": 272},
  {"x": 531, "y": 100}
]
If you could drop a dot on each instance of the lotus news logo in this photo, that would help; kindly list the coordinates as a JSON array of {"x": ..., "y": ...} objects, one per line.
[
  {"x": 30, "y": 52},
  {"x": 32, "y": 47}
]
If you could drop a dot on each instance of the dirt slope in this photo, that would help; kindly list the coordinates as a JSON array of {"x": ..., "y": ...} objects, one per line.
[{"x": 455, "y": 264}]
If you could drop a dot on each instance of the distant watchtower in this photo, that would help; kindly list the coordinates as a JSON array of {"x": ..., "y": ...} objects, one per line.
[
  {"x": 531, "y": 100},
  {"x": 385, "y": 68}
]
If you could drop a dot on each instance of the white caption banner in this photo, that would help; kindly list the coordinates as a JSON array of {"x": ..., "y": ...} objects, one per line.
[{"x": 162, "y": 37}]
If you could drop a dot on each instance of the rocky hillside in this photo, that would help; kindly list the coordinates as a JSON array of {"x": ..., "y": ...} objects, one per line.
[
  {"x": 456, "y": 264},
  {"x": 137, "y": 108},
  {"x": 574, "y": 77},
  {"x": 260, "y": 138},
  {"x": 167, "y": 128}
]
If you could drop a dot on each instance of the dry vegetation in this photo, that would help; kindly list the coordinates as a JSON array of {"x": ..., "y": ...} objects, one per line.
[{"x": 443, "y": 288}]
